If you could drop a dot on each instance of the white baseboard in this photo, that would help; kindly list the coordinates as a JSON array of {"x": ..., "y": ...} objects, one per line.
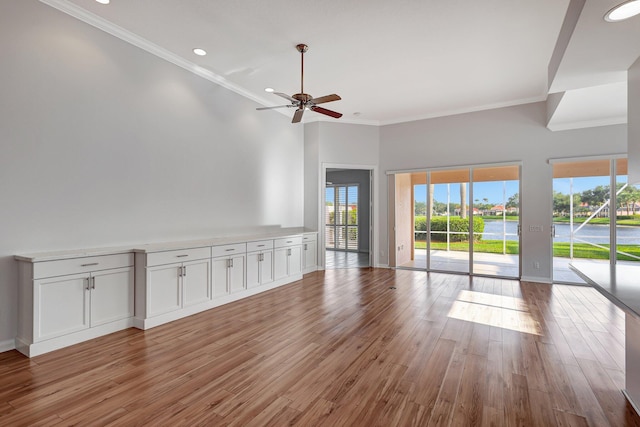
[
  {"x": 382, "y": 266},
  {"x": 7, "y": 345},
  {"x": 536, "y": 279}
]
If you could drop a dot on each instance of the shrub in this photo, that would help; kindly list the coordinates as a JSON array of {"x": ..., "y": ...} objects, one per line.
[{"x": 456, "y": 225}]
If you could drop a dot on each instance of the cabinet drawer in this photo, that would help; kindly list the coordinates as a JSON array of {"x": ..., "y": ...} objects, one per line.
[
  {"x": 288, "y": 241},
  {"x": 309, "y": 238},
  {"x": 224, "y": 250},
  {"x": 65, "y": 267},
  {"x": 182, "y": 255},
  {"x": 260, "y": 245}
]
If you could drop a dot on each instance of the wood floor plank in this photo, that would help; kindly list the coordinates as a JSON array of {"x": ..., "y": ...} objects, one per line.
[{"x": 341, "y": 348}]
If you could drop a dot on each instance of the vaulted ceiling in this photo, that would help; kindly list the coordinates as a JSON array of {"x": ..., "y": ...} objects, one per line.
[{"x": 392, "y": 61}]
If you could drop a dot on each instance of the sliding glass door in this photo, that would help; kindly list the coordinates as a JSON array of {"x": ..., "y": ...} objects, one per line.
[
  {"x": 496, "y": 210},
  {"x": 592, "y": 223},
  {"x": 449, "y": 225},
  {"x": 434, "y": 220}
]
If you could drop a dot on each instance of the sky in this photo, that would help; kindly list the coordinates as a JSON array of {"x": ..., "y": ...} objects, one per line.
[{"x": 493, "y": 190}]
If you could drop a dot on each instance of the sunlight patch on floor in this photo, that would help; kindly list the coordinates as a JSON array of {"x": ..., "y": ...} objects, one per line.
[{"x": 494, "y": 310}]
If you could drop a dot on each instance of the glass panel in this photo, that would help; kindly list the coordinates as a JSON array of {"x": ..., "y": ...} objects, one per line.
[
  {"x": 341, "y": 205},
  {"x": 496, "y": 218},
  {"x": 420, "y": 206},
  {"x": 627, "y": 217},
  {"x": 329, "y": 217},
  {"x": 581, "y": 215},
  {"x": 341, "y": 238},
  {"x": 450, "y": 227},
  {"x": 352, "y": 238}
]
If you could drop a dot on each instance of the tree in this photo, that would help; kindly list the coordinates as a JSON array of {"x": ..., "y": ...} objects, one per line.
[
  {"x": 596, "y": 197},
  {"x": 420, "y": 208},
  {"x": 514, "y": 201}
]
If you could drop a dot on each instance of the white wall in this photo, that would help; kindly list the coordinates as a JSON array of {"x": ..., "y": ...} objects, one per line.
[
  {"x": 500, "y": 135},
  {"x": 334, "y": 144},
  {"x": 103, "y": 144},
  {"x": 328, "y": 143}
]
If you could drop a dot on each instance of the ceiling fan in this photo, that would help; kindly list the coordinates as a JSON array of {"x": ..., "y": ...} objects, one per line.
[{"x": 303, "y": 100}]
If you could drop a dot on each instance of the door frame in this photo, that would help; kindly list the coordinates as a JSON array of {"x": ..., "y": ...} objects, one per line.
[{"x": 373, "y": 209}]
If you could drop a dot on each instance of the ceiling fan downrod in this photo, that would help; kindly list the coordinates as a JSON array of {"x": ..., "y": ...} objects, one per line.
[{"x": 302, "y": 48}]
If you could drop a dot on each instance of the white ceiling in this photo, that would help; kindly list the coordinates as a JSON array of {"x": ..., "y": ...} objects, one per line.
[{"x": 389, "y": 61}]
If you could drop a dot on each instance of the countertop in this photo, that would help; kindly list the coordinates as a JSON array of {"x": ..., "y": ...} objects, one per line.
[
  {"x": 162, "y": 246},
  {"x": 620, "y": 283}
]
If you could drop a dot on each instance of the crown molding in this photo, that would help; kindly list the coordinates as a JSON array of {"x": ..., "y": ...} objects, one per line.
[{"x": 100, "y": 23}]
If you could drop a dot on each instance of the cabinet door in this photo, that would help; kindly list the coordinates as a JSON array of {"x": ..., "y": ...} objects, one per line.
[
  {"x": 253, "y": 269},
  {"x": 111, "y": 295},
  {"x": 310, "y": 254},
  {"x": 236, "y": 273},
  {"x": 280, "y": 260},
  {"x": 163, "y": 289},
  {"x": 266, "y": 268},
  {"x": 196, "y": 281},
  {"x": 220, "y": 276},
  {"x": 295, "y": 260},
  {"x": 61, "y": 306}
]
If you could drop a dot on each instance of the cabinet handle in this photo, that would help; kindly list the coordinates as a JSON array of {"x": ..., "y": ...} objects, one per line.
[
  {"x": 261, "y": 258},
  {"x": 88, "y": 283},
  {"x": 261, "y": 246},
  {"x": 288, "y": 252},
  {"x": 93, "y": 283},
  {"x": 89, "y": 265},
  {"x": 305, "y": 246},
  {"x": 184, "y": 271},
  {"x": 182, "y": 256},
  {"x": 229, "y": 250},
  {"x": 179, "y": 271},
  {"x": 289, "y": 241},
  {"x": 231, "y": 263}
]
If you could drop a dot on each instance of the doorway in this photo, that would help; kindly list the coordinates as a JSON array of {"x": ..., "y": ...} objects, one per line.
[{"x": 347, "y": 218}]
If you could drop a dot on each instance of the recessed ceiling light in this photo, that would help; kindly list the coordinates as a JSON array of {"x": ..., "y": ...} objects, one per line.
[
  {"x": 199, "y": 52},
  {"x": 623, "y": 11},
  {"x": 103, "y": 1},
  {"x": 268, "y": 89}
]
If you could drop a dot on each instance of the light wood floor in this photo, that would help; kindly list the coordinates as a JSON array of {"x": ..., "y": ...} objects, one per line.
[{"x": 342, "y": 348}]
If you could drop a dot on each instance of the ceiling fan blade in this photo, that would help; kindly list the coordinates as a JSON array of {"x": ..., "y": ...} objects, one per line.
[
  {"x": 279, "y": 106},
  {"x": 285, "y": 96},
  {"x": 327, "y": 98},
  {"x": 326, "y": 112},
  {"x": 298, "y": 115}
]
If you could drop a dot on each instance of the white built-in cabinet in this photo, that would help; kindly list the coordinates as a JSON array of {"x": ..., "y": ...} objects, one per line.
[
  {"x": 228, "y": 269},
  {"x": 309, "y": 252},
  {"x": 65, "y": 299},
  {"x": 259, "y": 263},
  {"x": 287, "y": 257},
  {"x": 169, "y": 281}
]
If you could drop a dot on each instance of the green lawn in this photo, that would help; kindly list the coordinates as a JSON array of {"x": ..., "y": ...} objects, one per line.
[{"x": 580, "y": 250}]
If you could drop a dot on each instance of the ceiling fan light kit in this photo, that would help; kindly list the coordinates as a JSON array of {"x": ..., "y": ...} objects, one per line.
[{"x": 303, "y": 101}]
